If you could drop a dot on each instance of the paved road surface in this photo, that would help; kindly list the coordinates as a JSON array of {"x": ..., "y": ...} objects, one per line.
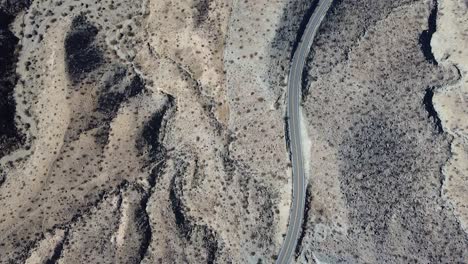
[{"x": 294, "y": 98}]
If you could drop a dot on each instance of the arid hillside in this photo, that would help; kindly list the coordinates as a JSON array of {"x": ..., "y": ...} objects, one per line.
[
  {"x": 381, "y": 188},
  {"x": 154, "y": 131},
  {"x": 143, "y": 131}
]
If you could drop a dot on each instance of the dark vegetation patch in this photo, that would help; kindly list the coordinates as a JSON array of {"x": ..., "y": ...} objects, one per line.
[
  {"x": 293, "y": 24},
  {"x": 101, "y": 136},
  {"x": 334, "y": 6},
  {"x": 25, "y": 242},
  {"x": 12, "y": 7},
  {"x": 391, "y": 175},
  {"x": 228, "y": 167},
  {"x": 201, "y": 11},
  {"x": 115, "y": 79},
  {"x": 153, "y": 133},
  {"x": 305, "y": 81},
  {"x": 183, "y": 224},
  {"x": 10, "y": 137},
  {"x": 305, "y": 220},
  {"x": 57, "y": 251},
  {"x": 142, "y": 218},
  {"x": 432, "y": 113},
  {"x": 345, "y": 23},
  {"x": 286, "y": 136},
  {"x": 263, "y": 197},
  {"x": 378, "y": 173},
  {"x": 144, "y": 225},
  {"x": 186, "y": 228},
  {"x": 9, "y": 134},
  {"x": 82, "y": 56},
  {"x": 303, "y": 24},
  {"x": 306, "y": 78},
  {"x": 2, "y": 177},
  {"x": 210, "y": 243},
  {"x": 151, "y": 137},
  {"x": 109, "y": 102},
  {"x": 294, "y": 19},
  {"x": 426, "y": 35}
]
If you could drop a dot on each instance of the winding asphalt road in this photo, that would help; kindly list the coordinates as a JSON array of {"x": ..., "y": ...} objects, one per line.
[{"x": 294, "y": 98}]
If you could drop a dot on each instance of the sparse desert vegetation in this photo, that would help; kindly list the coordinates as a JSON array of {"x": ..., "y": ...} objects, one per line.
[
  {"x": 135, "y": 147},
  {"x": 154, "y": 131},
  {"x": 378, "y": 147}
]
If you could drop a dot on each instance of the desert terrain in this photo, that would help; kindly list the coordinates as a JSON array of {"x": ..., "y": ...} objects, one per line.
[{"x": 155, "y": 131}]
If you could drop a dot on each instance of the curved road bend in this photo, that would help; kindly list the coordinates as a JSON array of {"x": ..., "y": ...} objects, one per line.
[{"x": 294, "y": 90}]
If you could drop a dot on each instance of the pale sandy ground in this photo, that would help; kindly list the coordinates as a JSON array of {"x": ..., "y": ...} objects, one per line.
[
  {"x": 252, "y": 117},
  {"x": 327, "y": 204},
  {"x": 223, "y": 153},
  {"x": 307, "y": 144},
  {"x": 195, "y": 41},
  {"x": 450, "y": 47},
  {"x": 284, "y": 208}
]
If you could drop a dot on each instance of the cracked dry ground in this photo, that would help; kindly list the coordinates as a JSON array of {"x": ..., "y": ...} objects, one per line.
[{"x": 153, "y": 132}]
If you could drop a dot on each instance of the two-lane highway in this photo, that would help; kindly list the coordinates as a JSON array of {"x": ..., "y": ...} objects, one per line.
[{"x": 293, "y": 100}]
